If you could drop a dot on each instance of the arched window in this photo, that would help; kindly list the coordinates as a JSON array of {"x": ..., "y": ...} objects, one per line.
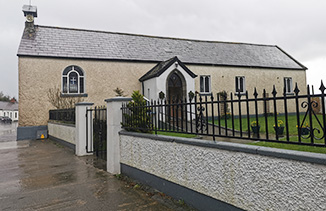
[{"x": 73, "y": 81}]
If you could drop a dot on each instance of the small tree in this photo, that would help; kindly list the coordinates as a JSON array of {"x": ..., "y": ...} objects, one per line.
[
  {"x": 4, "y": 97},
  {"x": 62, "y": 102},
  {"x": 138, "y": 118},
  {"x": 119, "y": 92}
]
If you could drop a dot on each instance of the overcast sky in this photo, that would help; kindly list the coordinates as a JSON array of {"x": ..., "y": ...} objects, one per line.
[{"x": 297, "y": 26}]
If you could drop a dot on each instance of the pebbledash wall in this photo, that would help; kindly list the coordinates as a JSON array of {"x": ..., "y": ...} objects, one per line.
[
  {"x": 226, "y": 176},
  {"x": 63, "y": 133},
  {"x": 34, "y": 106}
]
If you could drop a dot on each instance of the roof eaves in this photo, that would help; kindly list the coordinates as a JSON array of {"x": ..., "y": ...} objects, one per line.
[{"x": 155, "y": 61}]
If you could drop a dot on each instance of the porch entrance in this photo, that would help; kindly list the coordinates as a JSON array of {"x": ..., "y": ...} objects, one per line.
[
  {"x": 176, "y": 87},
  {"x": 96, "y": 141}
]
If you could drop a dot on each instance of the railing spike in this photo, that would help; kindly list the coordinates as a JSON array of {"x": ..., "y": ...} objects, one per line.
[
  {"x": 296, "y": 89},
  {"x": 255, "y": 92},
  {"x": 284, "y": 91},
  {"x": 322, "y": 87},
  {"x": 274, "y": 92}
]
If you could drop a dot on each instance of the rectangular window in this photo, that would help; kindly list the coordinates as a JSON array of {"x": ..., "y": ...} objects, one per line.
[
  {"x": 240, "y": 84},
  {"x": 205, "y": 84},
  {"x": 81, "y": 80},
  {"x": 64, "y": 84},
  {"x": 288, "y": 85}
]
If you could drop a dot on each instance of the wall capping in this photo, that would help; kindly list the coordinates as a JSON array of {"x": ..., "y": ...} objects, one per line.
[
  {"x": 316, "y": 158},
  {"x": 118, "y": 99}
]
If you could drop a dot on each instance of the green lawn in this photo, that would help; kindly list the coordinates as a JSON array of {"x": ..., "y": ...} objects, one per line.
[
  {"x": 291, "y": 147},
  {"x": 292, "y": 123},
  {"x": 183, "y": 135}
]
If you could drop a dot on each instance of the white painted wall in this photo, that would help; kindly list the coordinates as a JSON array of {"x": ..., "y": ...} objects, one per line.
[
  {"x": 62, "y": 131},
  {"x": 245, "y": 180},
  {"x": 158, "y": 84}
]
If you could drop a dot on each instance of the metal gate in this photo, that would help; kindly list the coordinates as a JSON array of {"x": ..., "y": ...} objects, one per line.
[{"x": 96, "y": 131}]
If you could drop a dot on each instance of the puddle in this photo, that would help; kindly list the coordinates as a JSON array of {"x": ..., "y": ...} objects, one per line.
[{"x": 14, "y": 144}]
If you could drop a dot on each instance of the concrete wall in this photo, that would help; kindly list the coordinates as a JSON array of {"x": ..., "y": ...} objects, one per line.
[
  {"x": 63, "y": 132},
  {"x": 247, "y": 177},
  {"x": 37, "y": 75}
]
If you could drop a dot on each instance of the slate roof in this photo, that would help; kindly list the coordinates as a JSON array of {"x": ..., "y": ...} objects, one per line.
[
  {"x": 164, "y": 65},
  {"x": 86, "y": 44},
  {"x": 8, "y": 106}
]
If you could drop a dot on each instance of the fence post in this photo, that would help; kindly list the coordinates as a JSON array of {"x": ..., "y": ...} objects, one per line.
[
  {"x": 81, "y": 119},
  {"x": 114, "y": 119}
]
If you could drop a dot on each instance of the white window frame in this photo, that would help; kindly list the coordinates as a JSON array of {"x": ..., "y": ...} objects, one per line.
[
  {"x": 203, "y": 84},
  {"x": 238, "y": 82},
  {"x": 288, "y": 81},
  {"x": 78, "y": 81}
]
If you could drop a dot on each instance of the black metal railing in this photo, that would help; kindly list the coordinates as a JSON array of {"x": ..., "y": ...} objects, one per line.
[
  {"x": 63, "y": 115},
  {"x": 288, "y": 118},
  {"x": 97, "y": 143}
]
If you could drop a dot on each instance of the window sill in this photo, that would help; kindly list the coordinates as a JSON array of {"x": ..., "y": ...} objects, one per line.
[
  {"x": 205, "y": 93},
  {"x": 290, "y": 93},
  {"x": 73, "y": 95},
  {"x": 241, "y": 94}
]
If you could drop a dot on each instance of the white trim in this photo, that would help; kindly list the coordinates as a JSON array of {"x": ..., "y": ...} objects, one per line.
[
  {"x": 243, "y": 84},
  {"x": 67, "y": 76},
  {"x": 204, "y": 85},
  {"x": 285, "y": 85}
]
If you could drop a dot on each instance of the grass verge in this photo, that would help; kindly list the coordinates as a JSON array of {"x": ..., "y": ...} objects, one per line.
[{"x": 291, "y": 147}]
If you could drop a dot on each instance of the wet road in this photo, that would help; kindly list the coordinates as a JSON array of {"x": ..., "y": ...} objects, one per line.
[
  {"x": 42, "y": 175},
  {"x": 8, "y": 132}
]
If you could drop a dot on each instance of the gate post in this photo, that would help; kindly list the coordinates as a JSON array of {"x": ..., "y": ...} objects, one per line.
[
  {"x": 81, "y": 128},
  {"x": 114, "y": 119}
]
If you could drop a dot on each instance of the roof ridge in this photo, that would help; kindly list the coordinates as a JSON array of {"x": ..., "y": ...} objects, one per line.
[{"x": 153, "y": 36}]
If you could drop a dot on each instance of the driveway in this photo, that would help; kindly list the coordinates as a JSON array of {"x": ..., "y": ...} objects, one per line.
[
  {"x": 42, "y": 175},
  {"x": 8, "y": 132}
]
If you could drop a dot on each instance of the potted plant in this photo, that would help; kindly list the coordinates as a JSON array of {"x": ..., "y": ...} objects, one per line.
[
  {"x": 279, "y": 128},
  {"x": 304, "y": 129},
  {"x": 255, "y": 127}
]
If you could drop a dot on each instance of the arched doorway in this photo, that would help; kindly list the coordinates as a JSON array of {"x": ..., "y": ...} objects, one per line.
[
  {"x": 176, "y": 92},
  {"x": 175, "y": 87}
]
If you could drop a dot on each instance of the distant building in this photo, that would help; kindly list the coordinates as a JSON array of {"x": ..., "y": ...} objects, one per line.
[
  {"x": 91, "y": 64},
  {"x": 9, "y": 109}
]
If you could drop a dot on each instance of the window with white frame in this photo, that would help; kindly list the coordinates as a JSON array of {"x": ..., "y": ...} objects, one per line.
[
  {"x": 73, "y": 81},
  {"x": 240, "y": 84},
  {"x": 205, "y": 84},
  {"x": 288, "y": 85}
]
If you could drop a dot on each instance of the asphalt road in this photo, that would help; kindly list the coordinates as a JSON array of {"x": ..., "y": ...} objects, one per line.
[
  {"x": 43, "y": 175},
  {"x": 8, "y": 132}
]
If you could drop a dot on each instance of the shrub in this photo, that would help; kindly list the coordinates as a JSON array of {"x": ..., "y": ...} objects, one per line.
[{"x": 138, "y": 119}]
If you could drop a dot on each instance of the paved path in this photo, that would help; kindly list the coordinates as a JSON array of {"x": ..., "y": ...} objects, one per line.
[{"x": 42, "y": 175}]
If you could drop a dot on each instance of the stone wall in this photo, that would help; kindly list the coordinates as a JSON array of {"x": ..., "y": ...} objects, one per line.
[
  {"x": 63, "y": 132},
  {"x": 247, "y": 177}
]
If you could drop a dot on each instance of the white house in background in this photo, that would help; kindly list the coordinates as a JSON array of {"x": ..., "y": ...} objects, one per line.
[{"x": 9, "y": 109}]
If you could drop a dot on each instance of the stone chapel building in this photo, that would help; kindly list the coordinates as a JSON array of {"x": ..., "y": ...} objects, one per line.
[{"x": 92, "y": 64}]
